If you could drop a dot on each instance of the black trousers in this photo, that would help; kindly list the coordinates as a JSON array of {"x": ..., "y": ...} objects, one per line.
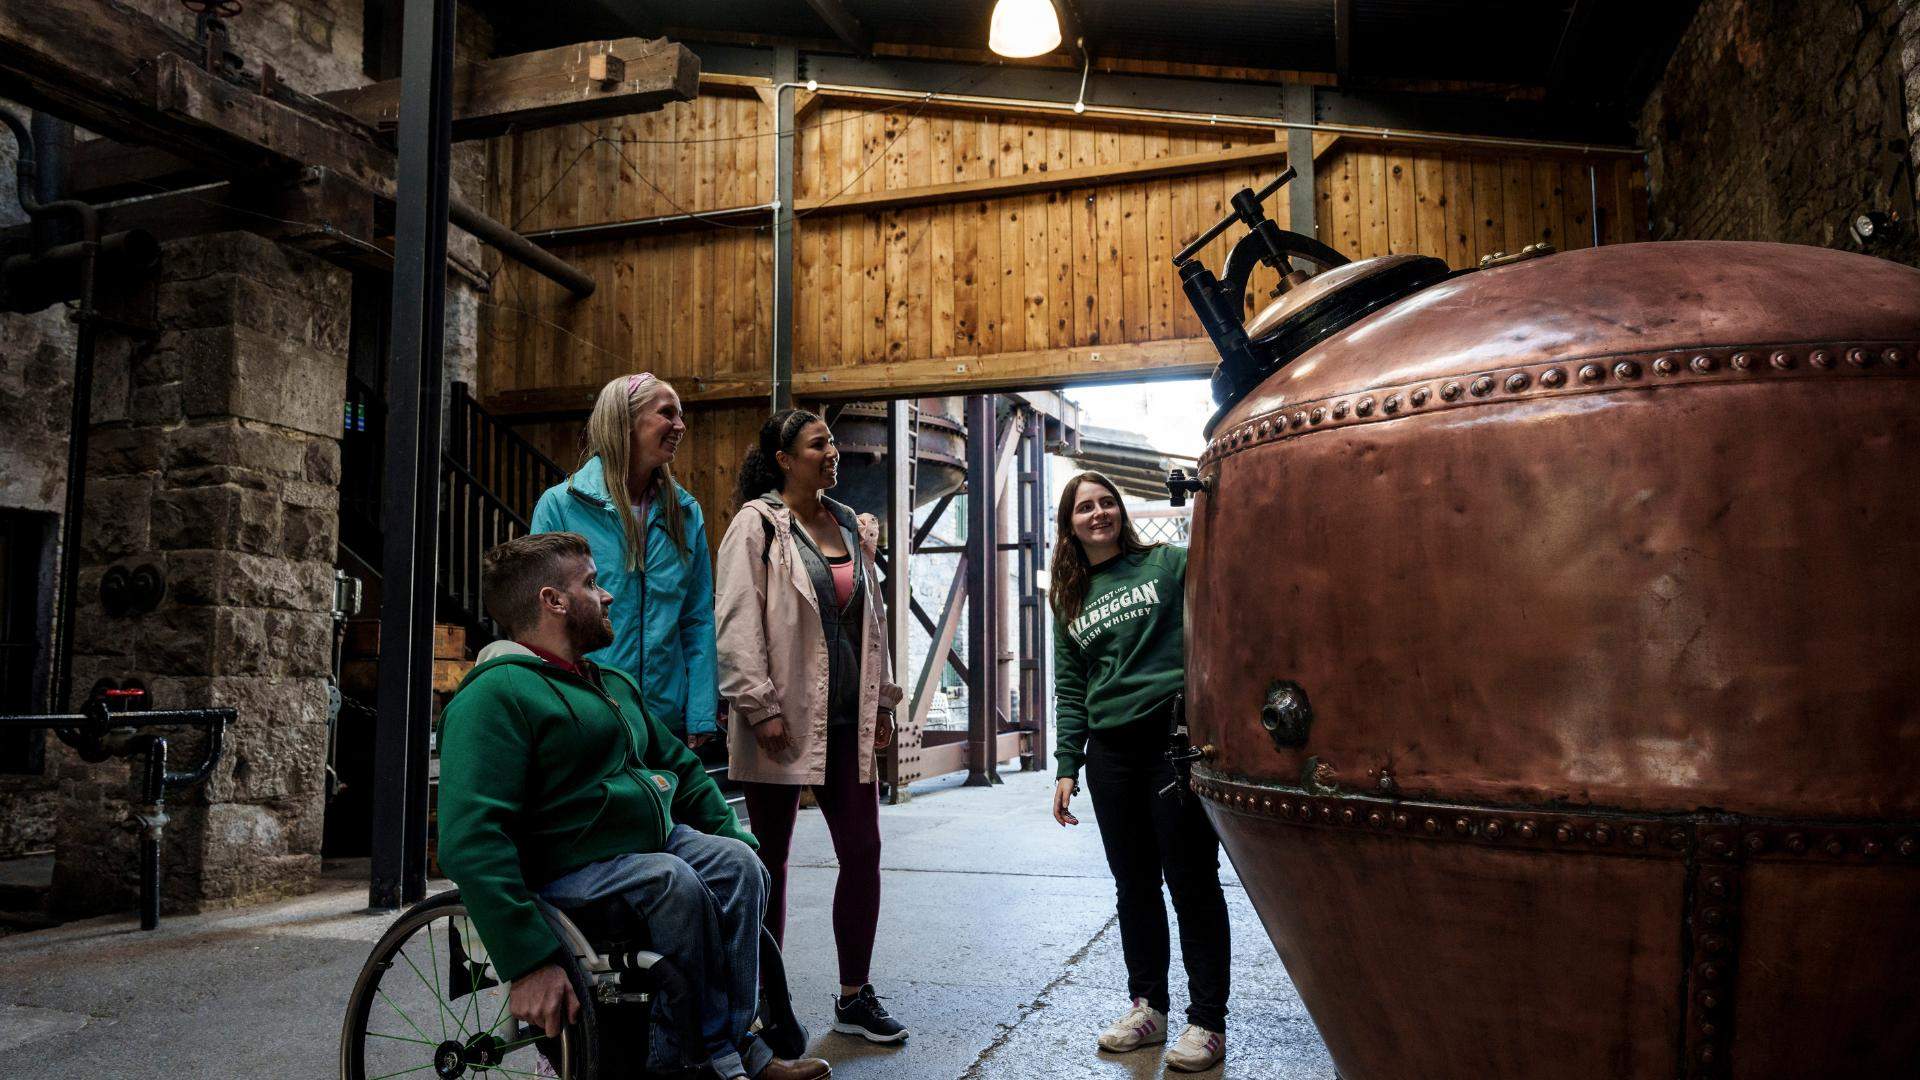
[{"x": 1149, "y": 839}]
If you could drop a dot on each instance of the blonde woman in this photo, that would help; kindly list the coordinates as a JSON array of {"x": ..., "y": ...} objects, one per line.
[{"x": 649, "y": 541}]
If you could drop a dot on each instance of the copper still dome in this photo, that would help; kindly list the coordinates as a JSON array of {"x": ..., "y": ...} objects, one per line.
[{"x": 1575, "y": 731}]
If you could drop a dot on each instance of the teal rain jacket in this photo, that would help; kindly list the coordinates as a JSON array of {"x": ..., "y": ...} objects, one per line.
[{"x": 662, "y": 614}]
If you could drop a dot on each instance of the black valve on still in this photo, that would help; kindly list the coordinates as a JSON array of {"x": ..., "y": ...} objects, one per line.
[{"x": 1181, "y": 752}]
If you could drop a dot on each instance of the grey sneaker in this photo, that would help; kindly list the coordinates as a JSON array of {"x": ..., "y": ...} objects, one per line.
[{"x": 1143, "y": 1025}]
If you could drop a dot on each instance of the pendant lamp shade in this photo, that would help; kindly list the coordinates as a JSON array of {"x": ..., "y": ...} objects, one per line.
[{"x": 1023, "y": 28}]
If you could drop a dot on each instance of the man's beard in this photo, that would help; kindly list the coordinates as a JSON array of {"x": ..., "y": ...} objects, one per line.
[{"x": 588, "y": 632}]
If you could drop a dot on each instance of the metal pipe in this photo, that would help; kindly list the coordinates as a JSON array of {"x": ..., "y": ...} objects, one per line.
[
  {"x": 519, "y": 248},
  {"x": 26, "y": 190},
  {"x": 32, "y": 282},
  {"x": 1232, "y": 119},
  {"x": 53, "y": 145},
  {"x": 1593, "y": 202}
]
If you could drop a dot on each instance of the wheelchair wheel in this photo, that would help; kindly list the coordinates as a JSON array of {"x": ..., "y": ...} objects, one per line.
[{"x": 429, "y": 1004}]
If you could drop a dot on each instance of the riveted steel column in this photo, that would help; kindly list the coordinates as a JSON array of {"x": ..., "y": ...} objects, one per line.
[
  {"x": 412, "y": 491},
  {"x": 983, "y": 593},
  {"x": 786, "y": 72}
]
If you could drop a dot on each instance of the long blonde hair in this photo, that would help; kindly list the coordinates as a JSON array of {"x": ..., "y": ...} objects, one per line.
[{"x": 610, "y": 438}]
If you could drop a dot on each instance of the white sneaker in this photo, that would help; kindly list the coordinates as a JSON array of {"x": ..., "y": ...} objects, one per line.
[
  {"x": 1142, "y": 1025},
  {"x": 1197, "y": 1049}
]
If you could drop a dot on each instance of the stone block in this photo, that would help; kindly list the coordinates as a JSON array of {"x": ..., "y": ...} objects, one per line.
[
  {"x": 118, "y": 520},
  {"x": 119, "y": 451},
  {"x": 224, "y": 516},
  {"x": 234, "y": 371},
  {"x": 161, "y": 403},
  {"x": 261, "y": 448},
  {"x": 301, "y": 641},
  {"x": 323, "y": 462},
  {"x": 309, "y": 534},
  {"x": 238, "y": 300},
  {"x": 153, "y": 365},
  {"x": 181, "y": 640},
  {"x": 112, "y": 379},
  {"x": 277, "y": 745},
  {"x": 254, "y": 256},
  {"x": 239, "y": 579}
]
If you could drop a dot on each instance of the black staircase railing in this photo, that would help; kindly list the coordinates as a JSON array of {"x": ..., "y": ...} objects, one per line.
[
  {"x": 499, "y": 458},
  {"x": 490, "y": 479}
]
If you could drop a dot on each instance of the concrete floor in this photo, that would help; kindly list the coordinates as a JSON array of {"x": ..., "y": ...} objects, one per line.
[{"x": 997, "y": 946}]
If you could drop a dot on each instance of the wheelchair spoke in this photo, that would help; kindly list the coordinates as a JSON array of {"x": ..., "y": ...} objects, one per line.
[
  {"x": 474, "y": 971},
  {"x": 401, "y": 1038},
  {"x": 437, "y": 999},
  {"x": 404, "y": 1017},
  {"x": 403, "y": 1072},
  {"x": 500, "y": 1016},
  {"x": 433, "y": 962}
]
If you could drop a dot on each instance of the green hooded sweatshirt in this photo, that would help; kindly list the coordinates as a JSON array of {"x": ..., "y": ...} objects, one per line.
[
  {"x": 541, "y": 773},
  {"x": 1124, "y": 654}
]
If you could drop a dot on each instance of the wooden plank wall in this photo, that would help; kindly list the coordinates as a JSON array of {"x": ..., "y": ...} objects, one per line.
[
  {"x": 683, "y": 305},
  {"x": 1380, "y": 198},
  {"x": 1004, "y": 277},
  {"x": 1026, "y": 285}
]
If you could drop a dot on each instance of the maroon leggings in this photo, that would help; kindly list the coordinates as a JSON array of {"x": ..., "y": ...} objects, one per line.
[{"x": 852, "y": 810}]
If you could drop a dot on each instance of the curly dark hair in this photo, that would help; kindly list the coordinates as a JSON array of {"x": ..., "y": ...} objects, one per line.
[{"x": 760, "y": 472}]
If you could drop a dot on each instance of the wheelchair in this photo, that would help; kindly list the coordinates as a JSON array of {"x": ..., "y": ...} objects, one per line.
[{"x": 427, "y": 999}]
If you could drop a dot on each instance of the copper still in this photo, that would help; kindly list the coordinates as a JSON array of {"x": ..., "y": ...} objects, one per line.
[{"x": 1575, "y": 732}]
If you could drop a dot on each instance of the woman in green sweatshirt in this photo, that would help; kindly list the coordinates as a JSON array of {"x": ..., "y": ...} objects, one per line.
[{"x": 1119, "y": 661}]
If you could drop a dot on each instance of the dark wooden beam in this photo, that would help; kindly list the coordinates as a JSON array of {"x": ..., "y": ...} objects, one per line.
[
  {"x": 105, "y": 169},
  {"x": 585, "y": 81},
  {"x": 1343, "y": 40},
  {"x": 126, "y": 76},
  {"x": 845, "y": 26}
]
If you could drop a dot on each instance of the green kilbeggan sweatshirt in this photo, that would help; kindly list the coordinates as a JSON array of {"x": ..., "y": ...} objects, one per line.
[
  {"x": 1124, "y": 654},
  {"x": 543, "y": 772}
]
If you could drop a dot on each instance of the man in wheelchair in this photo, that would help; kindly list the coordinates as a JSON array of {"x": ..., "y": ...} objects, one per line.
[{"x": 555, "y": 782}]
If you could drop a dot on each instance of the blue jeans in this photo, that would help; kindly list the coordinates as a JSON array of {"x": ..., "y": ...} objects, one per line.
[{"x": 703, "y": 900}]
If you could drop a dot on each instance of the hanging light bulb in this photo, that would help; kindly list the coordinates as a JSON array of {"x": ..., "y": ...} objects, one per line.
[{"x": 1023, "y": 28}]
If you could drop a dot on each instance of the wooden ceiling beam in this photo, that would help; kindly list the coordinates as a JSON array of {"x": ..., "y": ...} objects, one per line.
[
  {"x": 844, "y": 25},
  {"x": 585, "y": 81},
  {"x": 1080, "y": 365}
]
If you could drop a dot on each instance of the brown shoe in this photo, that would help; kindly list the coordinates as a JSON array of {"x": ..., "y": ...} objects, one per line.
[{"x": 798, "y": 1069}]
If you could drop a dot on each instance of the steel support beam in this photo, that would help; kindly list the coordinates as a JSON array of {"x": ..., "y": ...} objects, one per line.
[
  {"x": 786, "y": 69},
  {"x": 412, "y": 483},
  {"x": 1296, "y": 104},
  {"x": 1040, "y": 685},
  {"x": 899, "y": 571},
  {"x": 983, "y": 592}
]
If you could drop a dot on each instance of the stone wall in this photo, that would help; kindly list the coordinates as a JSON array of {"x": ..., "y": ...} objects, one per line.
[
  {"x": 215, "y": 458},
  {"x": 1783, "y": 119},
  {"x": 36, "y": 376}
]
